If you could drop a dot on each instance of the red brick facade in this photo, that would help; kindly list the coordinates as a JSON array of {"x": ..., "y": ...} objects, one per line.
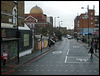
[{"x": 84, "y": 22}]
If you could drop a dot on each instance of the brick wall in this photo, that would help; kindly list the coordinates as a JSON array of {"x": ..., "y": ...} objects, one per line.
[{"x": 7, "y": 12}]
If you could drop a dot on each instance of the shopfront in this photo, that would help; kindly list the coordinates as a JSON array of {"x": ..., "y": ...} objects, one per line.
[{"x": 9, "y": 42}]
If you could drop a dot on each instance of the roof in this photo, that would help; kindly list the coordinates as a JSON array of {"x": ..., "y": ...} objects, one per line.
[
  {"x": 36, "y": 10},
  {"x": 24, "y": 28}
]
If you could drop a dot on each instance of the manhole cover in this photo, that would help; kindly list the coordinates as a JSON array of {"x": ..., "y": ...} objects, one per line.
[{"x": 57, "y": 52}]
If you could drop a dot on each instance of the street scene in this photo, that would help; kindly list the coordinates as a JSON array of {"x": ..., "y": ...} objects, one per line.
[
  {"x": 49, "y": 37},
  {"x": 72, "y": 58}
]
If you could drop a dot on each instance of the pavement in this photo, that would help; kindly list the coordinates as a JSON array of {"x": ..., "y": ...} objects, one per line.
[
  {"x": 22, "y": 60},
  {"x": 88, "y": 47}
]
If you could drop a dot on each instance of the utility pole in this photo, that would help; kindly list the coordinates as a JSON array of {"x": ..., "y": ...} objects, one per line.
[
  {"x": 17, "y": 32},
  {"x": 88, "y": 23},
  {"x": 41, "y": 43}
]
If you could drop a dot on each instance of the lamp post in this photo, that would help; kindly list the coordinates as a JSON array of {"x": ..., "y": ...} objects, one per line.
[
  {"x": 41, "y": 43},
  {"x": 55, "y": 20},
  {"x": 17, "y": 32},
  {"x": 59, "y": 25},
  {"x": 77, "y": 26},
  {"x": 88, "y": 23}
]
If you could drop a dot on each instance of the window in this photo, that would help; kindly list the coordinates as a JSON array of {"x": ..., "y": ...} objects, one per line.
[
  {"x": 91, "y": 18},
  {"x": 15, "y": 16},
  {"x": 91, "y": 13},
  {"x": 91, "y": 23},
  {"x": 26, "y": 39},
  {"x": 96, "y": 19}
]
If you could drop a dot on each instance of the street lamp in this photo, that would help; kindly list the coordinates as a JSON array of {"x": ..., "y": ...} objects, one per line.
[
  {"x": 82, "y": 26},
  {"x": 41, "y": 43},
  {"x": 17, "y": 33},
  {"x": 88, "y": 23},
  {"x": 59, "y": 24},
  {"x": 55, "y": 20},
  {"x": 77, "y": 25}
]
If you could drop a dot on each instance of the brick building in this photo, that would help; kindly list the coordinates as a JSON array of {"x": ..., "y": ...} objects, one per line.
[
  {"x": 9, "y": 31},
  {"x": 9, "y": 11},
  {"x": 36, "y": 19},
  {"x": 82, "y": 23}
]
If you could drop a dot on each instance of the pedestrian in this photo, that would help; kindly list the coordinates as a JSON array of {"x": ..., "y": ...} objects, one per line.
[
  {"x": 49, "y": 43},
  {"x": 77, "y": 38},
  {"x": 5, "y": 57},
  {"x": 91, "y": 51}
]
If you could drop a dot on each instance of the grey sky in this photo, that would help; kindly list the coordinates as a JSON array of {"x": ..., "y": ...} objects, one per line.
[{"x": 66, "y": 10}]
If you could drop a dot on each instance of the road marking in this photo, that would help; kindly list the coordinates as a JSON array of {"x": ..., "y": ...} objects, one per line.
[
  {"x": 68, "y": 52},
  {"x": 81, "y": 62},
  {"x": 8, "y": 72},
  {"x": 89, "y": 70},
  {"x": 66, "y": 59},
  {"x": 76, "y": 46},
  {"x": 40, "y": 55},
  {"x": 66, "y": 56},
  {"x": 57, "y": 52}
]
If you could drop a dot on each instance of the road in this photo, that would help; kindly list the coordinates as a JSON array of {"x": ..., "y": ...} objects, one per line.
[{"x": 68, "y": 57}]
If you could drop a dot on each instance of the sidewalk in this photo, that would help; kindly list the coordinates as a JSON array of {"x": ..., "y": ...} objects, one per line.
[
  {"x": 88, "y": 47},
  {"x": 22, "y": 60}
]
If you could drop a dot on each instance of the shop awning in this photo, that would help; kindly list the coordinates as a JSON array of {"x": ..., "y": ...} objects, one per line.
[{"x": 88, "y": 33}]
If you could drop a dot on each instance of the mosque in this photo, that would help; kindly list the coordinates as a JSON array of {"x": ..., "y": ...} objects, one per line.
[{"x": 36, "y": 19}]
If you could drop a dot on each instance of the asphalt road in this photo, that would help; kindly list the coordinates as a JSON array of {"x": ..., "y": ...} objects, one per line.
[{"x": 68, "y": 57}]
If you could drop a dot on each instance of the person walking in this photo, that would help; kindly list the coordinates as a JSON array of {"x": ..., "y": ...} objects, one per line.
[
  {"x": 5, "y": 57},
  {"x": 49, "y": 43},
  {"x": 77, "y": 38},
  {"x": 91, "y": 51}
]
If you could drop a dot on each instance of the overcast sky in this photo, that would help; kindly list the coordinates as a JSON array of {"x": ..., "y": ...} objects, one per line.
[{"x": 66, "y": 10}]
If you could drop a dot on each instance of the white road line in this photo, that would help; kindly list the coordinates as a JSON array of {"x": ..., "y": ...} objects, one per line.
[
  {"x": 66, "y": 56},
  {"x": 81, "y": 62},
  {"x": 68, "y": 52},
  {"x": 66, "y": 59}
]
